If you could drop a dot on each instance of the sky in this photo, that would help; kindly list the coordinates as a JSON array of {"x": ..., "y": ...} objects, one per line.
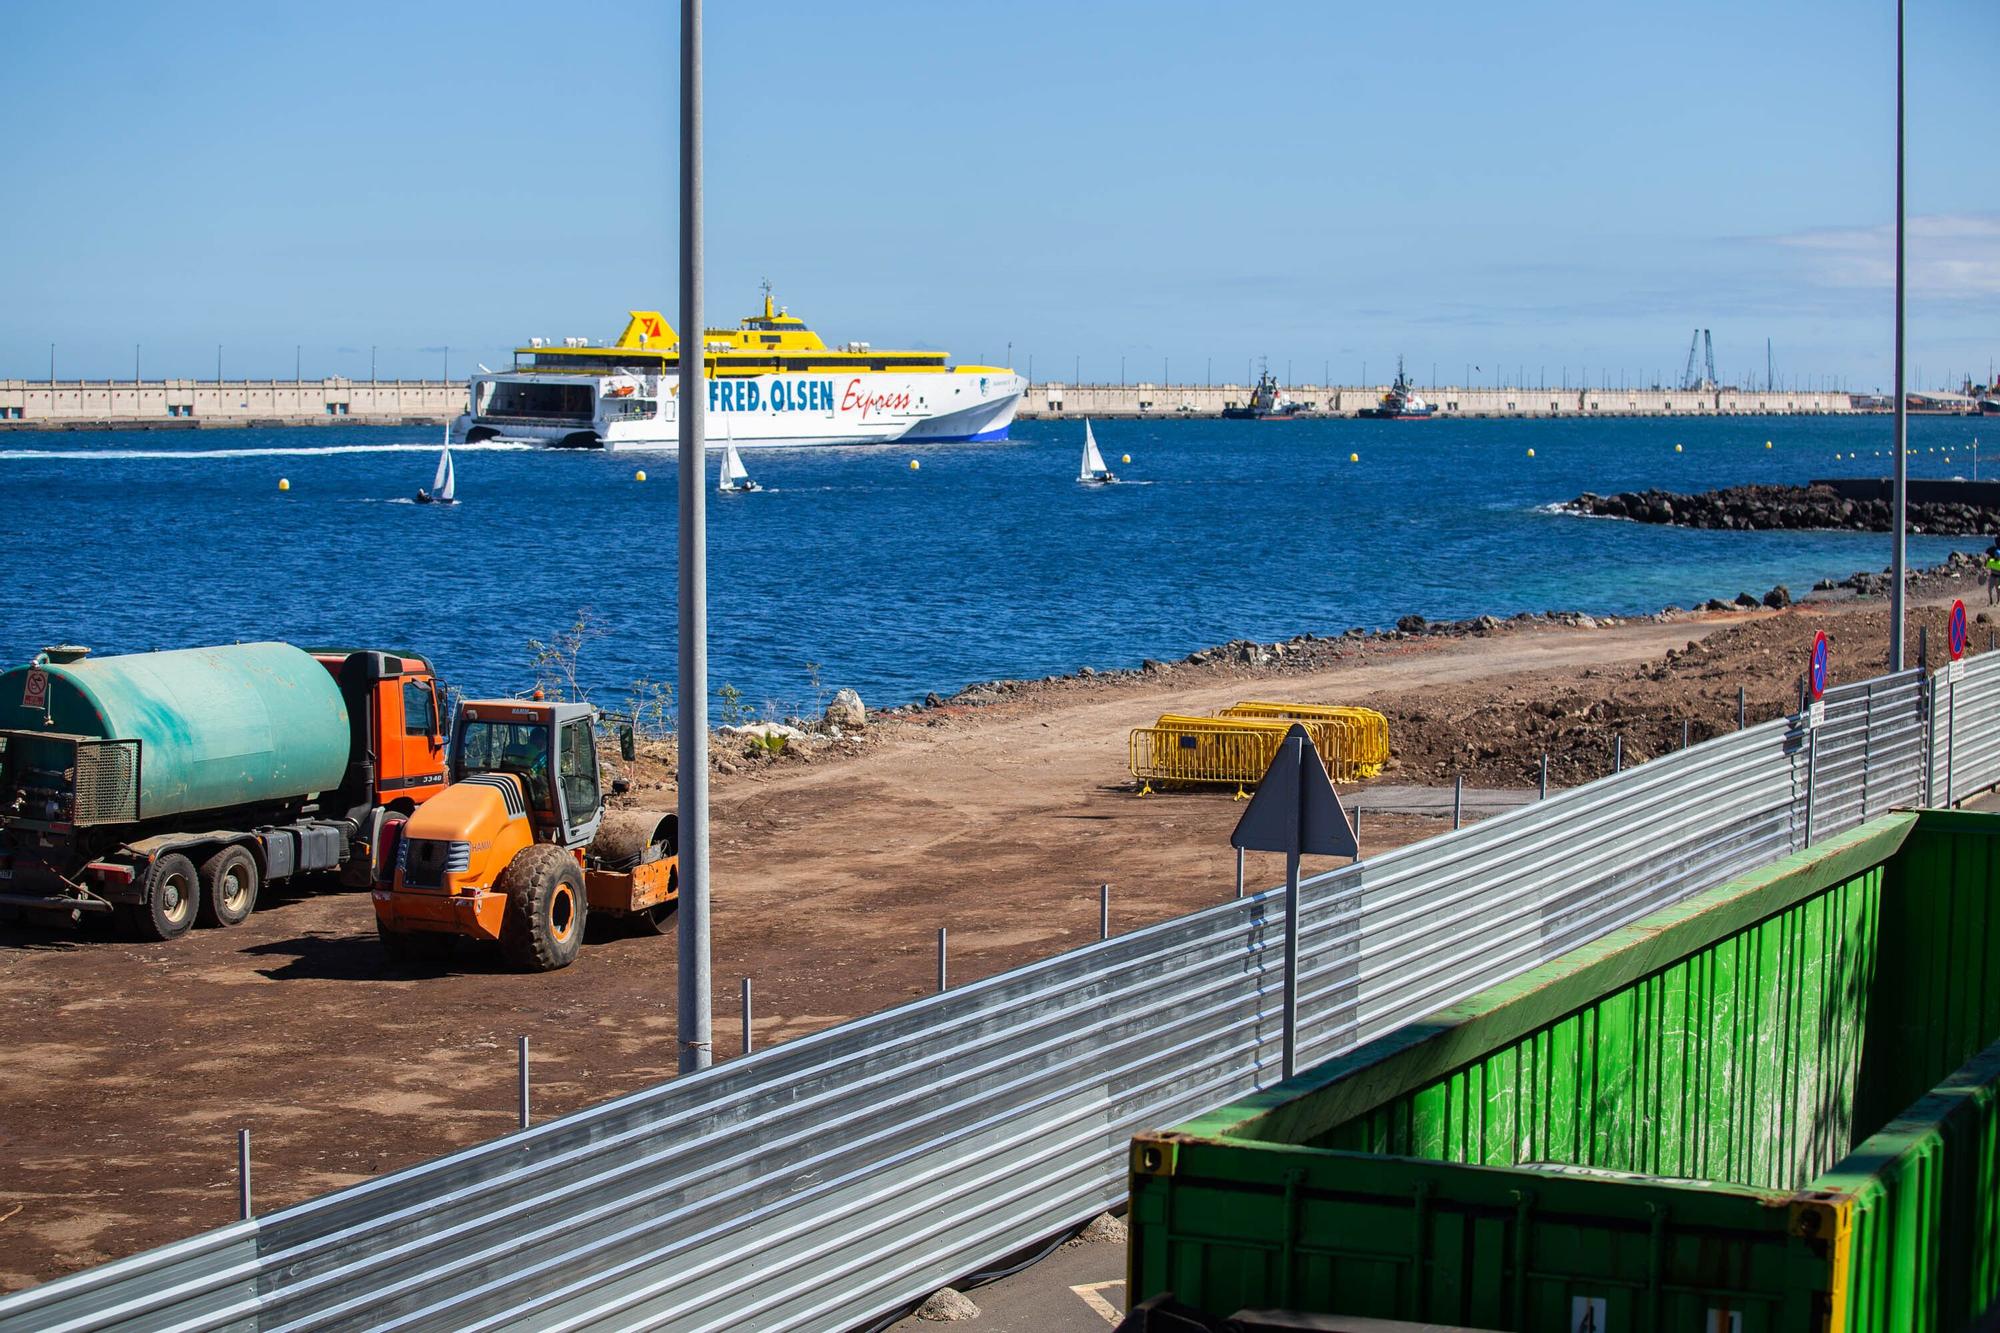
[{"x": 1544, "y": 190}]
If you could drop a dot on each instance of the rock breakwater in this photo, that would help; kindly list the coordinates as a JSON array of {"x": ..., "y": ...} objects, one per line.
[{"x": 1760, "y": 508}]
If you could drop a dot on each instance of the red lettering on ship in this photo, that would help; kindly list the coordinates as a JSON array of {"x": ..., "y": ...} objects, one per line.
[{"x": 855, "y": 399}]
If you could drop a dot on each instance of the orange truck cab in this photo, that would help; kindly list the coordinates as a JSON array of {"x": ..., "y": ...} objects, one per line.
[{"x": 519, "y": 848}]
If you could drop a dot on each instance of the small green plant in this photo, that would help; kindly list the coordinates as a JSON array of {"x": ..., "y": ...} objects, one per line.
[
  {"x": 734, "y": 713},
  {"x": 650, "y": 706},
  {"x": 771, "y": 743},
  {"x": 818, "y": 689},
  {"x": 555, "y": 662}
]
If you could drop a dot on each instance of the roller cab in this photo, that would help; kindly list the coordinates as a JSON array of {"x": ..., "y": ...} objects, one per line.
[{"x": 518, "y": 849}]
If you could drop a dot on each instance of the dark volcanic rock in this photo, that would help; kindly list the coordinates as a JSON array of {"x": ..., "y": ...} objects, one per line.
[
  {"x": 1758, "y": 508},
  {"x": 1778, "y": 598}
]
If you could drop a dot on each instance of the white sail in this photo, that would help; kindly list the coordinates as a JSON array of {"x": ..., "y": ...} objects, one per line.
[
  {"x": 1093, "y": 462},
  {"x": 444, "y": 486},
  {"x": 734, "y": 475}
]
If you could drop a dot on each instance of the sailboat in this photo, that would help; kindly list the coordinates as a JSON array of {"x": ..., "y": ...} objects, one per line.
[
  {"x": 735, "y": 478},
  {"x": 1093, "y": 473},
  {"x": 444, "y": 486}
]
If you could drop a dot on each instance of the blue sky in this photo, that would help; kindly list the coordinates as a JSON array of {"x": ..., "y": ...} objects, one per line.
[{"x": 1546, "y": 184}]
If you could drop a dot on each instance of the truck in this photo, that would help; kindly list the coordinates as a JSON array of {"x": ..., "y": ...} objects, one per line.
[
  {"x": 519, "y": 847},
  {"x": 160, "y": 789}
]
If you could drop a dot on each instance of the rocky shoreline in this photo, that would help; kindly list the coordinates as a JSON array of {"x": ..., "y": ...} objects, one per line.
[
  {"x": 1763, "y": 508},
  {"x": 1310, "y": 651}
]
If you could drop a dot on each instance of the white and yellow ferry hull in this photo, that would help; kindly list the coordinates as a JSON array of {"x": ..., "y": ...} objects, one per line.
[{"x": 781, "y": 411}]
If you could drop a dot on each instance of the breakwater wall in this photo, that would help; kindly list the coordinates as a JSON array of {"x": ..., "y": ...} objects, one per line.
[
  {"x": 194, "y": 404},
  {"x": 1953, "y": 509},
  {"x": 1058, "y": 400}
]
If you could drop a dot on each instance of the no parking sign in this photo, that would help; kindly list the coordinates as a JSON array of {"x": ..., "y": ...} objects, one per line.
[
  {"x": 1955, "y": 636},
  {"x": 1816, "y": 676}
]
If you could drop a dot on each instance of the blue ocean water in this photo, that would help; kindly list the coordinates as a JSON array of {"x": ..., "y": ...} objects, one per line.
[{"x": 990, "y": 561}]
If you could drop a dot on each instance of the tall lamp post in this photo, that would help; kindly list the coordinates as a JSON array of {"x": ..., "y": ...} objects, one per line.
[
  {"x": 693, "y": 1008},
  {"x": 1899, "y": 555}
]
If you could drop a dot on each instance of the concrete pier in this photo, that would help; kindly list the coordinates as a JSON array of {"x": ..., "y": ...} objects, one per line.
[
  {"x": 197, "y": 404},
  {"x": 206, "y": 404},
  {"x": 1157, "y": 400}
]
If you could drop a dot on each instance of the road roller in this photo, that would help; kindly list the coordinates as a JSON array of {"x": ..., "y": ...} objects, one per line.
[{"x": 519, "y": 848}]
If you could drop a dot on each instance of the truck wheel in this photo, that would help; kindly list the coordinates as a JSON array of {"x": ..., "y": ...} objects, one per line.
[
  {"x": 228, "y": 887},
  {"x": 415, "y": 946},
  {"x": 545, "y": 908},
  {"x": 172, "y": 895}
]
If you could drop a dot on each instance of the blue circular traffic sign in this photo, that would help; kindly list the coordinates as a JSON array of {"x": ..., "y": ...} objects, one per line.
[
  {"x": 1817, "y": 679},
  {"x": 1957, "y": 630}
]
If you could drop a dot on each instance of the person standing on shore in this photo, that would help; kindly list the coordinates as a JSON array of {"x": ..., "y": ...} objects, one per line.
[{"x": 1993, "y": 572}]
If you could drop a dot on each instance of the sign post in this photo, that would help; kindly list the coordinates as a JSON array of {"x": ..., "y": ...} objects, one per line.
[
  {"x": 1957, "y": 631},
  {"x": 1295, "y": 811},
  {"x": 1815, "y": 716}
]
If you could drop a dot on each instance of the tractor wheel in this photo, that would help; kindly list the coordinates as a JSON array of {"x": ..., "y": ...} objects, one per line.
[
  {"x": 415, "y": 946},
  {"x": 173, "y": 893},
  {"x": 545, "y": 908},
  {"x": 228, "y": 887}
]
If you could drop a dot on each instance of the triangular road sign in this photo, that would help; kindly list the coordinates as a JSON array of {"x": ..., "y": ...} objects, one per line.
[{"x": 1295, "y": 809}]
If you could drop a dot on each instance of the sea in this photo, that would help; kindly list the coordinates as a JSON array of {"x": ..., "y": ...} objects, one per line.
[{"x": 854, "y": 568}]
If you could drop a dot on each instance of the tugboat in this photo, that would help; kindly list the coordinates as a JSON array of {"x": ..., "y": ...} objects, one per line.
[
  {"x": 1267, "y": 403},
  {"x": 1400, "y": 403}
]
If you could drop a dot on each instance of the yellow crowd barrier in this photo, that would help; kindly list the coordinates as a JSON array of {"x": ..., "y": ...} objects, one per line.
[
  {"x": 1182, "y": 749},
  {"x": 1365, "y": 731}
]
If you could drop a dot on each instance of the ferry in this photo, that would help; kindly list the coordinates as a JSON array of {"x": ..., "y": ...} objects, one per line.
[{"x": 772, "y": 383}]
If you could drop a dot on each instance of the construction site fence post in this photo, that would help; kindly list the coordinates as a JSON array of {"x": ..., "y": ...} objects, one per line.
[
  {"x": 1104, "y": 911},
  {"x": 1545, "y": 777},
  {"x": 243, "y": 1174},
  {"x": 1291, "y": 1020},
  {"x": 526, "y": 1118},
  {"x": 1618, "y": 753},
  {"x": 1457, "y": 800},
  {"x": 746, "y": 1015},
  {"x": 944, "y": 977},
  {"x": 1685, "y": 726},
  {"x": 1741, "y": 700},
  {"x": 1239, "y": 872}
]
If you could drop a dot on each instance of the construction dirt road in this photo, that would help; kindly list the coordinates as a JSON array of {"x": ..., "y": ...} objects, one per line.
[{"x": 130, "y": 1067}]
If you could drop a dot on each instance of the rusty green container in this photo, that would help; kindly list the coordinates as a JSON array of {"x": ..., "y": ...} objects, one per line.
[
  {"x": 1771, "y": 1107},
  {"x": 202, "y": 728}
]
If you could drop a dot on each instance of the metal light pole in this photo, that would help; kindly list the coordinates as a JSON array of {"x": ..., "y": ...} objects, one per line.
[
  {"x": 692, "y": 1010},
  {"x": 1902, "y": 472}
]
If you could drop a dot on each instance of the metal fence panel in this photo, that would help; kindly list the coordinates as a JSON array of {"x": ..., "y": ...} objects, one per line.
[{"x": 823, "y": 1182}]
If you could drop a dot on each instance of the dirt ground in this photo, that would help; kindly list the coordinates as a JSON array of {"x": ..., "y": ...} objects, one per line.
[{"x": 130, "y": 1067}]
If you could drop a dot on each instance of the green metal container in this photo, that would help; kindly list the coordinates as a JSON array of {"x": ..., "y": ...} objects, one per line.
[
  {"x": 1772, "y": 1106},
  {"x": 205, "y": 728}
]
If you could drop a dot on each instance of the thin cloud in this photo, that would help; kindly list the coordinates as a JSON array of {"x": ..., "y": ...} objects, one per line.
[{"x": 1948, "y": 255}]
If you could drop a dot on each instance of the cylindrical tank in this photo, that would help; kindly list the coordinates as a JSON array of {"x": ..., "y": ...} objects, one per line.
[{"x": 217, "y": 727}]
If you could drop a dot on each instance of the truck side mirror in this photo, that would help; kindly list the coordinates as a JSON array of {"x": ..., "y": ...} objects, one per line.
[{"x": 628, "y": 748}]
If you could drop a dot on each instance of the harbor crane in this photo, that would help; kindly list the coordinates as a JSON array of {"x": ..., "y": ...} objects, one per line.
[{"x": 1701, "y": 356}]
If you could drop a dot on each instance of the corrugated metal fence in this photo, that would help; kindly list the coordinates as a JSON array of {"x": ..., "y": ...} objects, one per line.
[{"x": 827, "y": 1182}]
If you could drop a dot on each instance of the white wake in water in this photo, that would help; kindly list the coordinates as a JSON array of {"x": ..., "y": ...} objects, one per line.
[{"x": 274, "y": 451}]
